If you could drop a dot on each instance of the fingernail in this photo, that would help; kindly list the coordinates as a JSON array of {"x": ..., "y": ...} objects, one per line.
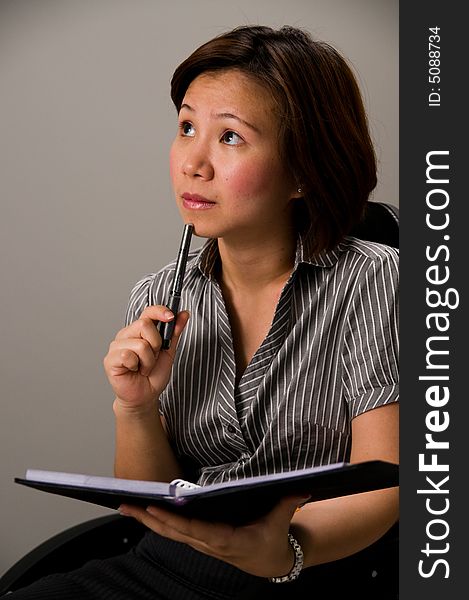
[
  {"x": 168, "y": 314},
  {"x": 122, "y": 510}
]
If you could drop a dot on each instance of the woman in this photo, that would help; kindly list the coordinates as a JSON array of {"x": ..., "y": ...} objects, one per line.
[{"x": 285, "y": 353}]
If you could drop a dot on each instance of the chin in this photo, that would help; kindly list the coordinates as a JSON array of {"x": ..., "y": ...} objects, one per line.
[
  {"x": 202, "y": 228},
  {"x": 202, "y": 232}
]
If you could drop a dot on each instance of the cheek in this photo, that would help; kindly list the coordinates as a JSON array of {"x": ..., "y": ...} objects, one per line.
[{"x": 249, "y": 180}]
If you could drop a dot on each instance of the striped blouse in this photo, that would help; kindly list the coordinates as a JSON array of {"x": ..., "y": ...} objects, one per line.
[{"x": 330, "y": 355}]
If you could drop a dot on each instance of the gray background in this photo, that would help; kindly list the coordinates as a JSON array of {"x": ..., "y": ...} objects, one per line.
[{"x": 86, "y": 205}]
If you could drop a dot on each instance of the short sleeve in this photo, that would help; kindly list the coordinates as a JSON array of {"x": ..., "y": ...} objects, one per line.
[
  {"x": 371, "y": 354},
  {"x": 151, "y": 289},
  {"x": 139, "y": 299}
]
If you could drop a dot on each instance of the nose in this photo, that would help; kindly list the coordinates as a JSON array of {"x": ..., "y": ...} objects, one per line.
[{"x": 197, "y": 162}]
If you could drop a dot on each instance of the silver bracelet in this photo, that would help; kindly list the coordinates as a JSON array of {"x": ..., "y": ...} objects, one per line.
[{"x": 298, "y": 565}]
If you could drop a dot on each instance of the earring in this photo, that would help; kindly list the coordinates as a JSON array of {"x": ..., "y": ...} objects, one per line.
[{"x": 299, "y": 190}]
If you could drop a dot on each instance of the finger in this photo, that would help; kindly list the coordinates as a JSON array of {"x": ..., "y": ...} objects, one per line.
[
  {"x": 150, "y": 333},
  {"x": 212, "y": 537},
  {"x": 158, "y": 312},
  {"x": 128, "y": 510},
  {"x": 135, "y": 354},
  {"x": 120, "y": 362},
  {"x": 146, "y": 322},
  {"x": 193, "y": 528},
  {"x": 157, "y": 521}
]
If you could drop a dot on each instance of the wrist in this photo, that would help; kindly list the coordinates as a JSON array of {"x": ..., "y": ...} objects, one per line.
[
  {"x": 124, "y": 410},
  {"x": 297, "y": 565}
]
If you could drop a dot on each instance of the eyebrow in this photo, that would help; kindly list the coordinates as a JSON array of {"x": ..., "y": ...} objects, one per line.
[{"x": 225, "y": 115}]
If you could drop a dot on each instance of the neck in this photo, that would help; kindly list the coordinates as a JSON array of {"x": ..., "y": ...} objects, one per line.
[{"x": 251, "y": 266}]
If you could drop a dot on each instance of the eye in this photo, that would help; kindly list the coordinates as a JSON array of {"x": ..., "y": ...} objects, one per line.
[
  {"x": 231, "y": 138},
  {"x": 187, "y": 129}
]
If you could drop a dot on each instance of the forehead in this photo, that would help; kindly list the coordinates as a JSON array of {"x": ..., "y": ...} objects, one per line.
[{"x": 230, "y": 91}]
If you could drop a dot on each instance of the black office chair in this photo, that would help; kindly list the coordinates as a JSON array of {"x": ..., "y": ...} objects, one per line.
[
  {"x": 101, "y": 537},
  {"x": 376, "y": 566},
  {"x": 380, "y": 224}
]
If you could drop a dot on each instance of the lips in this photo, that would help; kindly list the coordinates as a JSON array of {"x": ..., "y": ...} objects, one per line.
[{"x": 196, "y": 202}]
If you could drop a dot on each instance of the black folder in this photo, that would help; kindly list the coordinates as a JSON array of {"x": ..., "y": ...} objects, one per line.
[{"x": 235, "y": 502}]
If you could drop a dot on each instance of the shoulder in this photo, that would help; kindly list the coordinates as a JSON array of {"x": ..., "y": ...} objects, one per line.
[
  {"x": 354, "y": 251},
  {"x": 368, "y": 251},
  {"x": 366, "y": 257},
  {"x": 354, "y": 260},
  {"x": 358, "y": 270}
]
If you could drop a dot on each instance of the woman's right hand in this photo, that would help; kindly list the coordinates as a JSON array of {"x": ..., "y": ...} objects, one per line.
[{"x": 136, "y": 366}]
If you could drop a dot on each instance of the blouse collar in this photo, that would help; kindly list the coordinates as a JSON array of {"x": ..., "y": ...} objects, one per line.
[{"x": 206, "y": 258}]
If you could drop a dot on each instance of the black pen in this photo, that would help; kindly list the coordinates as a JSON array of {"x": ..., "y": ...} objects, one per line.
[{"x": 166, "y": 329}]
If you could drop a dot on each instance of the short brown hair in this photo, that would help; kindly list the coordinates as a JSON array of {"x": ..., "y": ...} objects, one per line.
[{"x": 324, "y": 136}]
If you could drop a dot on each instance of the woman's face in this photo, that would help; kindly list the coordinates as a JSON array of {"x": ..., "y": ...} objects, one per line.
[{"x": 225, "y": 164}]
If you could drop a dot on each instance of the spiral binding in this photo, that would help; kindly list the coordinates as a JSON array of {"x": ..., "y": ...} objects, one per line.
[{"x": 182, "y": 484}]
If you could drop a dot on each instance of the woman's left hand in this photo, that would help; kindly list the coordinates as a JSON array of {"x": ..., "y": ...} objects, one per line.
[{"x": 260, "y": 548}]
